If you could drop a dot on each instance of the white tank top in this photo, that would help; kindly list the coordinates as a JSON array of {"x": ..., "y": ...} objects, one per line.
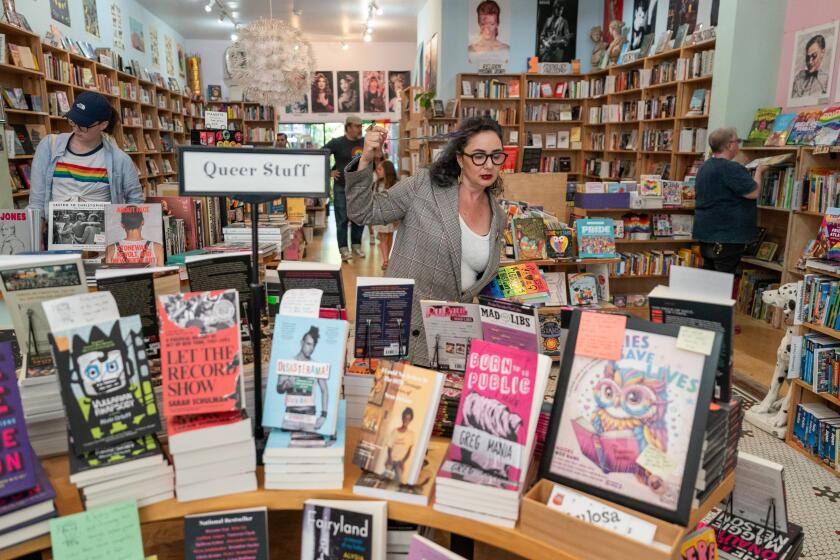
[{"x": 475, "y": 254}]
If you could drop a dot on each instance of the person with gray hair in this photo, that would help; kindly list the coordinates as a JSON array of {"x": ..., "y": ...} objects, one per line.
[{"x": 725, "y": 212}]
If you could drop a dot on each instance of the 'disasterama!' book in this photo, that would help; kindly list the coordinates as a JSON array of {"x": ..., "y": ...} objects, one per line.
[
  {"x": 200, "y": 352},
  {"x": 105, "y": 383}
]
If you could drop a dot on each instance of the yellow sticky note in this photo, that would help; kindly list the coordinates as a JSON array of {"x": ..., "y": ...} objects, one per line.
[
  {"x": 696, "y": 340},
  {"x": 656, "y": 462},
  {"x": 600, "y": 335}
]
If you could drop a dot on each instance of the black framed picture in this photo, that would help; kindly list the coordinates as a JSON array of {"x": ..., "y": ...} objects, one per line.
[{"x": 630, "y": 430}]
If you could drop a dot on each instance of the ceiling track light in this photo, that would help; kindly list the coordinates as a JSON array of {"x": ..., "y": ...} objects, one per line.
[{"x": 209, "y": 7}]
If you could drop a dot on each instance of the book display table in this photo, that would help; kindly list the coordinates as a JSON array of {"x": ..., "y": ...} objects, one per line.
[{"x": 514, "y": 540}]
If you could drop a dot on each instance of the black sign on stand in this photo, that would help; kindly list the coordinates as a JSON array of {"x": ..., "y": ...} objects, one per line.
[{"x": 254, "y": 176}]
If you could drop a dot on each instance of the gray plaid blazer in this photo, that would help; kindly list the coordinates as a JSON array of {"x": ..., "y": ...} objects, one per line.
[{"x": 428, "y": 241}]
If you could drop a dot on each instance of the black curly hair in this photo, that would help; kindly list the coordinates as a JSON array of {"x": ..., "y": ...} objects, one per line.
[{"x": 445, "y": 170}]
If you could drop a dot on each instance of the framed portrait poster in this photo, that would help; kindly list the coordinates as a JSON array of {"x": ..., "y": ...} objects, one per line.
[
  {"x": 631, "y": 430},
  {"x": 812, "y": 65}
]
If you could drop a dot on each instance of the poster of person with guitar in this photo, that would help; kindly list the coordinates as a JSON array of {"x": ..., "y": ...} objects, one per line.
[{"x": 556, "y": 26}]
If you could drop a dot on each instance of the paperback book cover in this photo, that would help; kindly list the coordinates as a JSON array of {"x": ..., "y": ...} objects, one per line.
[
  {"x": 17, "y": 234},
  {"x": 781, "y": 129},
  {"x": 650, "y": 185},
  {"x": 134, "y": 234},
  {"x": 450, "y": 327},
  {"x": 235, "y": 534},
  {"x": 828, "y": 127},
  {"x": 305, "y": 374},
  {"x": 596, "y": 238},
  {"x": 333, "y": 533},
  {"x": 294, "y": 275},
  {"x": 181, "y": 207},
  {"x": 383, "y": 317},
  {"x": 397, "y": 421},
  {"x": 373, "y": 485},
  {"x": 529, "y": 239},
  {"x": 200, "y": 352},
  {"x": 745, "y": 539},
  {"x": 18, "y": 472},
  {"x": 762, "y": 125},
  {"x": 624, "y": 424},
  {"x": 559, "y": 243},
  {"x": 116, "y": 454},
  {"x": 76, "y": 226},
  {"x": 804, "y": 128},
  {"x": 517, "y": 280},
  {"x": 105, "y": 383},
  {"x": 509, "y": 323},
  {"x": 553, "y": 333},
  {"x": 41, "y": 491},
  {"x": 282, "y": 443},
  {"x": 494, "y": 425},
  {"x": 583, "y": 288}
]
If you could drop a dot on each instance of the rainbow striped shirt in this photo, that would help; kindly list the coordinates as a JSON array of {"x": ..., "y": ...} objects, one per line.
[{"x": 81, "y": 178}]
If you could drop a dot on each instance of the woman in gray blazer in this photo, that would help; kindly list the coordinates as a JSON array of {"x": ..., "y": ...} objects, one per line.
[{"x": 451, "y": 226}]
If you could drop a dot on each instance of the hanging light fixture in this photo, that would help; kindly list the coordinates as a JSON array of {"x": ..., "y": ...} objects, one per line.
[{"x": 272, "y": 60}]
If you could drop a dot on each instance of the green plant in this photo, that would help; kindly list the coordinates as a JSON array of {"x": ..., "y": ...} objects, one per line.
[{"x": 425, "y": 99}]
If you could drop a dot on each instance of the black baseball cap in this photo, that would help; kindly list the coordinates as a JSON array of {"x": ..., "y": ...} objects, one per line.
[{"x": 89, "y": 108}]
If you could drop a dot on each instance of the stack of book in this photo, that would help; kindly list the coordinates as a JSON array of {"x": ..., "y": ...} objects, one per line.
[
  {"x": 210, "y": 437},
  {"x": 490, "y": 473},
  {"x": 399, "y": 539},
  {"x": 305, "y": 448},
  {"x": 720, "y": 447},
  {"x": 43, "y": 410},
  {"x": 397, "y": 426},
  {"x": 306, "y": 460},
  {"x": 105, "y": 379},
  {"x": 741, "y": 538},
  {"x": 25, "y": 493},
  {"x": 357, "y": 386}
]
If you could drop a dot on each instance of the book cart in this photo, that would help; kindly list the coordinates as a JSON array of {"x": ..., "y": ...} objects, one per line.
[{"x": 541, "y": 533}]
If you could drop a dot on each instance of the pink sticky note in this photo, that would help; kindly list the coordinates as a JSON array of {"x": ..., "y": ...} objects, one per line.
[{"x": 600, "y": 335}]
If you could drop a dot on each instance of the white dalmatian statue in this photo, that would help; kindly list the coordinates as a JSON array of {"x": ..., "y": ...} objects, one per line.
[{"x": 784, "y": 297}]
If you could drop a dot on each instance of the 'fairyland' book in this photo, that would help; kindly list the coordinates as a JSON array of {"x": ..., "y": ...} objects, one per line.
[
  {"x": 344, "y": 529},
  {"x": 596, "y": 238},
  {"x": 398, "y": 420},
  {"x": 241, "y": 533},
  {"x": 200, "y": 352},
  {"x": 372, "y": 485},
  {"x": 17, "y": 459},
  {"x": 528, "y": 238},
  {"x": 450, "y": 327},
  {"x": 509, "y": 323},
  {"x": 305, "y": 374},
  {"x": 781, "y": 128},
  {"x": 105, "y": 383},
  {"x": 497, "y": 416},
  {"x": 383, "y": 317}
]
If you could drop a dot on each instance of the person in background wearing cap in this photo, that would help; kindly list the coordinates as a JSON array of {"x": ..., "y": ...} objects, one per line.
[
  {"x": 84, "y": 165},
  {"x": 344, "y": 149}
]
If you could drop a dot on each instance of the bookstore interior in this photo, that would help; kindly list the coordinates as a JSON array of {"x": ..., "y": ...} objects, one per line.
[{"x": 358, "y": 314}]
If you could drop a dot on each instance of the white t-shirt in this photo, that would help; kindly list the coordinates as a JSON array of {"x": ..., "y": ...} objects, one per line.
[
  {"x": 475, "y": 254},
  {"x": 81, "y": 177}
]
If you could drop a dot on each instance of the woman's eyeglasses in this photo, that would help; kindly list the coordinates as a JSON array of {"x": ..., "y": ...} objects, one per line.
[
  {"x": 80, "y": 128},
  {"x": 480, "y": 158}
]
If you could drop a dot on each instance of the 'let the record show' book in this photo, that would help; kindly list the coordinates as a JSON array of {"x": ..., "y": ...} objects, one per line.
[{"x": 305, "y": 373}]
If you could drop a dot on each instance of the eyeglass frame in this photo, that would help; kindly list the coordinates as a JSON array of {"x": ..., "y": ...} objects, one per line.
[
  {"x": 81, "y": 128},
  {"x": 486, "y": 156}
]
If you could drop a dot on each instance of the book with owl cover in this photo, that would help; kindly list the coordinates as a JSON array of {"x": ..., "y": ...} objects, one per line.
[
  {"x": 105, "y": 383},
  {"x": 497, "y": 416},
  {"x": 631, "y": 430},
  {"x": 397, "y": 422},
  {"x": 200, "y": 352},
  {"x": 528, "y": 238},
  {"x": 305, "y": 374}
]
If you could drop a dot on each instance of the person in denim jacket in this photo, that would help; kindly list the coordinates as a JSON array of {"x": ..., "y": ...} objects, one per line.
[{"x": 85, "y": 165}]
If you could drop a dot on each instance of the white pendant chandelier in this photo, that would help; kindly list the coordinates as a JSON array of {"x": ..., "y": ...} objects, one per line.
[{"x": 272, "y": 61}]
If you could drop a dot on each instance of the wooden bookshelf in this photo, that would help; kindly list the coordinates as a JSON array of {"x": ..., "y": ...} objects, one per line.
[{"x": 801, "y": 392}]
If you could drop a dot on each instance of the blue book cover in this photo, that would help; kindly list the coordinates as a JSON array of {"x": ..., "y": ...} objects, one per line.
[
  {"x": 308, "y": 442},
  {"x": 596, "y": 238},
  {"x": 383, "y": 317},
  {"x": 305, "y": 373}
]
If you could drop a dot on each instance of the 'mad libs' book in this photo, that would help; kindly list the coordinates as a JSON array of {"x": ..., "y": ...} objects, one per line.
[
  {"x": 344, "y": 529},
  {"x": 450, "y": 327},
  {"x": 240, "y": 534},
  {"x": 509, "y": 323},
  {"x": 596, "y": 238},
  {"x": 305, "y": 374},
  {"x": 497, "y": 416},
  {"x": 105, "y": 383},
  {"x": 398, "y": 420},
  {"x": 16, "y": 456},
  {"x": 383, "y": 317},
  {"x": 200, "y": 352}
]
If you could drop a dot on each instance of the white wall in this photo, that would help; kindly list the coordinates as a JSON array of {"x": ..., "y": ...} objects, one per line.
[{"x": 328, "y": 56}]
